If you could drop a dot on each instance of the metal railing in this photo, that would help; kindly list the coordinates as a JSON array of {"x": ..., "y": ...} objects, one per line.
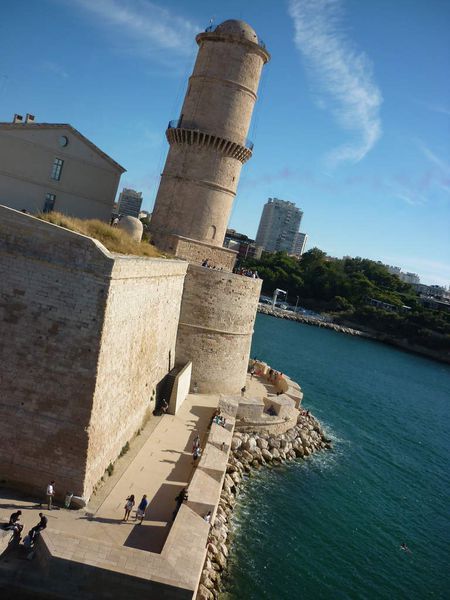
[{"x": 181, "y": 124}]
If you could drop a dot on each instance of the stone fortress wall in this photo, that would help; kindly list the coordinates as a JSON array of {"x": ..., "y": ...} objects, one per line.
[
  {"x": 137, "y": 351},
  {"x": 85, "y": 339},
  {"x": 196, "y": 252},
  {"x": 218, "y": 312}
]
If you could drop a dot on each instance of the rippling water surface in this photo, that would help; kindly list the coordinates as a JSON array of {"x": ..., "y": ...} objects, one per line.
[{"x": 331, "y": 527}]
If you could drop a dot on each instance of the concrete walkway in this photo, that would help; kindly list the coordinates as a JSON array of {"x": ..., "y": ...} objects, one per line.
[{"x": 160, "y": 469}]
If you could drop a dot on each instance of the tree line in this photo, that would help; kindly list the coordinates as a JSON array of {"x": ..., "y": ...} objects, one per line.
[{"x": 345, "y": 289}]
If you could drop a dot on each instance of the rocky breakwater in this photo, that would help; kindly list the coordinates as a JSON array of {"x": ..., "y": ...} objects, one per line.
[
  {"x": 290, "y": 316},
  {"x": 250, "y": 451}
]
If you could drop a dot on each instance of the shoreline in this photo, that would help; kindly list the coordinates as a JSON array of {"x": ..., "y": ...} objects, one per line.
[
  {"x": 250, "y": 452},
  {"x": 376, "y": 336}
]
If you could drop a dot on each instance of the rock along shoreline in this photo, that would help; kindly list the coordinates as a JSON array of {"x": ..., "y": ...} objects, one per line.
[
  {"x": 249, "y": 452},
  {"x": 290, "y": 316}
]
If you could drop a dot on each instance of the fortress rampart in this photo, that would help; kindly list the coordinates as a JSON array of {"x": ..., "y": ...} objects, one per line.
[
  {"x": 85, "y": 339},
  {"x": 218, "y": 312}
]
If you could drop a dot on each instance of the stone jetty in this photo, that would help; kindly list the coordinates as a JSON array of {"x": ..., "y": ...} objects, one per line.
[
  {"x": 307, "y": 320},
  {"x": 249, "y": 452}
]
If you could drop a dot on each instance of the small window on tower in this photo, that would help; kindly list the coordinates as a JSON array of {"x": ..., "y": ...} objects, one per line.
[{"x": 212, "y": 232}]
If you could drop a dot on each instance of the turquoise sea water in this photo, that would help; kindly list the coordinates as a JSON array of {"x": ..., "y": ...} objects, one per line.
[{"x": 331, "y": 527}]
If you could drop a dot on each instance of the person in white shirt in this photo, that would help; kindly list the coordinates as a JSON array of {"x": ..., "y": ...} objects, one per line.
[{"x": 50, "y": 493}]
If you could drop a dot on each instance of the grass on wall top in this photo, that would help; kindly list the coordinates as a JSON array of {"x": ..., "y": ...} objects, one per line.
[{"x": 113, "y": 238}]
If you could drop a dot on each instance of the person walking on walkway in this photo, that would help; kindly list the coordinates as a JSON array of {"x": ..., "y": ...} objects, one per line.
[
  {"x": 140, "y": 513},
  {"x": 196, "y": 454},
  {"x": 128, "y": 506},
  {"x": 50, "y": 494},
  {"x": 180, "y": 498},
  {"x": 196, "y": 443}
]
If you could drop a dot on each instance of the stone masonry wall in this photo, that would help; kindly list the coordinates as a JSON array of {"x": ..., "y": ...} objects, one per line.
[
  {"x": 53, "y": 287},
  {"x": 196, "y": 252},
  {"x": 137, "y": 351},
  {"x": 85, "y": 337},
  {"x": 216, "y": 325}
]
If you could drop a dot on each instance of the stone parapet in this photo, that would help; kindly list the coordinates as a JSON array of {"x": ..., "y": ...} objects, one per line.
[{"x": 197, "y": 252}]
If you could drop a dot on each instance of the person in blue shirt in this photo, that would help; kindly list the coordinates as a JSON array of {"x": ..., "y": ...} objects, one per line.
[{"x": 140, "y": 513}]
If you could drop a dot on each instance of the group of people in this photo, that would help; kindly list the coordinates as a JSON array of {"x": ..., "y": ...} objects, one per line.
[
  {"x": 218, "y": 418},
  {"x": 207, "y": 264},
  {"x": 16, "y": 527},
  {"x": 140, "y": 511},
  {"x": 246, "y": 272},
  {"x": 274, "y": 376}
]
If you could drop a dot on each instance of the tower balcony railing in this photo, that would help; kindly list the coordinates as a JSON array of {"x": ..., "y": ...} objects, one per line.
[{"x": 181, "y": 124}]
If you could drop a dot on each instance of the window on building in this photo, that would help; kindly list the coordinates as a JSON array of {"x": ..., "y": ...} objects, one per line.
[
  {"x": 56, "y": 169},
  {"x": 49, "y": 202}
]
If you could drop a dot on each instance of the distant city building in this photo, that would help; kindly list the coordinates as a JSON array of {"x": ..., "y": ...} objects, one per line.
[
  {"x": 409, "y": 278},
  {"x": 299, "y": 243},
  {"x": 244, "y": 246},
  {"x": 130, "y": 203},
  {"x": 392, "y": 270},
  {"x": 52, "y": 167},
  {"x": 279, "y": 225}
]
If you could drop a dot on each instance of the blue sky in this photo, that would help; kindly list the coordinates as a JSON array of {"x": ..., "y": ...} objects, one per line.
[{"x": 352, "y": 121}]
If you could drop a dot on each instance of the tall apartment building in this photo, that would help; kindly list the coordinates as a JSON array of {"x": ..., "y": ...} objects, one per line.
[
  {"x": 279, "y": 225},
  {"x": 299, "y": 243},
  {"x": 130, "y": 203}
]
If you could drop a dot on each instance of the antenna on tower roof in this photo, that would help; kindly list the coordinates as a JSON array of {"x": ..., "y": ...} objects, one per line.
[{"x": 210, "y": 26}]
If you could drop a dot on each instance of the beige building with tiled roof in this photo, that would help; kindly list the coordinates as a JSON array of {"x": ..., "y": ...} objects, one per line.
[{"x": 46, "y": 166}]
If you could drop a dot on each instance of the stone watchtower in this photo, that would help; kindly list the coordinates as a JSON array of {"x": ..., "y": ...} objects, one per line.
[
  {"x": 208, "y": 143},
  {"x": 208, "y": 146}
]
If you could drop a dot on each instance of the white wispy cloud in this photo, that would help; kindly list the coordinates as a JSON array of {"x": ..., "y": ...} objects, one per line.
[
  {"x": 149, "y": 26},
  {"x": 343, "y": 75},
  {"x": 434, "y": 158},
  {"x": 439, "y": 108},
  {"x": 410, "y": 198}
]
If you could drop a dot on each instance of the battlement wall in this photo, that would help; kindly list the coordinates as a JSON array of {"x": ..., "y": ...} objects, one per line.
[
  {"x": 196, "y": 252},
  {"x": 85, "y": 339}
]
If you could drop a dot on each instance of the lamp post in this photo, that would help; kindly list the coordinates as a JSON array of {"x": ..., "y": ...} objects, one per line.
[{"x": 295, "y": 309}]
